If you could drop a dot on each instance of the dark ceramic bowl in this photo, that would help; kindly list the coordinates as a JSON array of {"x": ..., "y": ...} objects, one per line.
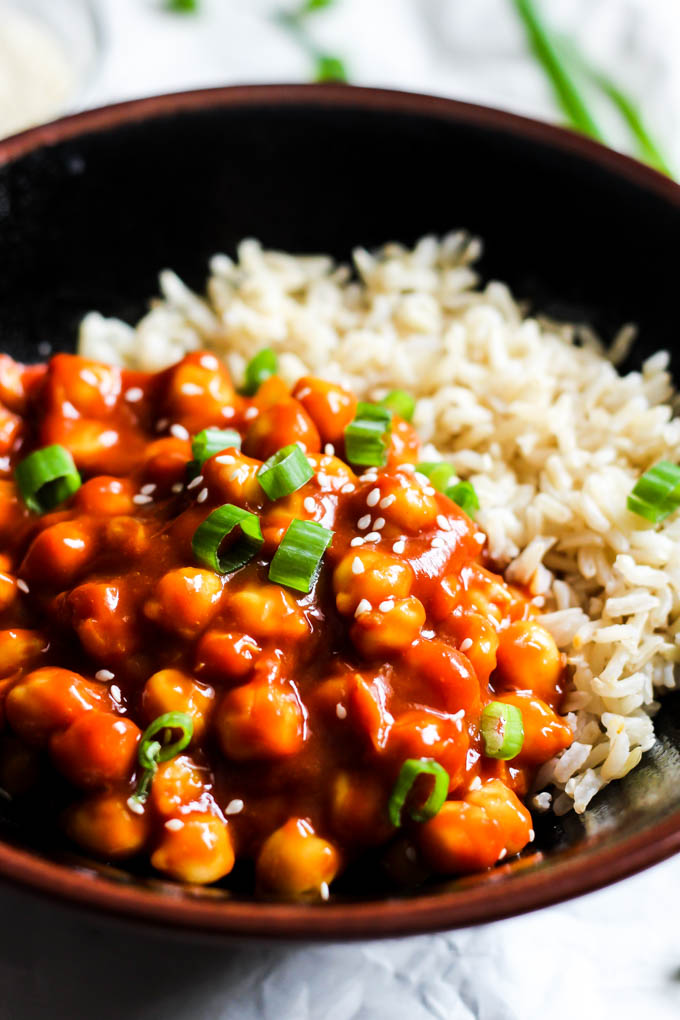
[{"x": 93, "y": 206}]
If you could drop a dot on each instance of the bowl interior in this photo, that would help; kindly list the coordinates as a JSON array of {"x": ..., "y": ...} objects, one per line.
[{"x": 88, "y": 221}]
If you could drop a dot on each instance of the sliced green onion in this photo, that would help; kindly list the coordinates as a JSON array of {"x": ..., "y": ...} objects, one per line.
[
  {"x": 46, "y": 478},
  {"x": 401, "y": 402},
  {"x": 258, "y": 369},
  {"x": 210, "y": 535},
  {"x": 464, "y": 495},
  {"x": 366, "y": 438},
  {"x": 297, "y": 560},
  {"x": 287, "y": 471},
  {"x": 206, "y": 444},
  {"x": 182, "y": 6},
  {"x": 330, "y": 67},
  {"x": 410, "y": 770},
  {"x": 657, "y": 493},
  {"x": 440, "y": 474},
  {"x": 151, "y": 752},
  {"x": 502, "y": 730}
]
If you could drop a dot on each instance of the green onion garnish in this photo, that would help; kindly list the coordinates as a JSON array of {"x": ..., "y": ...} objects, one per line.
[
  {"x": 464, "y": 495},
  {"x": 657, "y": 493},
  {"x": 206, "y": 444},
  {"x": 258, "y": 369},
  {"x": 401, "y": 402},
  {"x": 366, "y": 437},
  {"x": 151, "y": 752},
  {"x": 439, "y": 473},
  {"x": 182, "y": 6},
  {"x": 210, "y": 535},
  {"x": 502, "y": 730},
  {"x": 410, "y": 770},
  {"x": 46, "y": 478},
  {"x": 329, "y": 67},
  {"x": 287, "y": 471},
  {"x": 296, "y": 561}
]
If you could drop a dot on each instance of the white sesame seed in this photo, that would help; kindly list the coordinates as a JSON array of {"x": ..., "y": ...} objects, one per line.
[
  {"x": 502, "y": 854},
  {"x": 250, "y": 414},
  {"x": 480, "y": 536},
  {"x": 147, "y": 489},
  {"x": 347, "y": 487},
  {"x": 364, "y": 522},
  {"x": 225, "y": 458},
  {"x": 304, "y": 392},
  {"x": 457, "y": 716},
  {"x": 357, "y": 541},
  {"x": 378, "y": 523},
  {"x": 340, "y": 711},
  {"x": 369, "y": 476},
  {"x": 309, "y": 504},
  {"x": 140, "y": 499},
  {"x": 135, "y": 806},
  {"x": 437, "y": 542},
  {"x": 195, "y": 482},
  {"x": 532, "y": 835},
  {"x": 429, "y": 491},
  {"x": 191, "y": 389},
  {"x": 115, "y": 692},
  {"x": 363, "y": 607},
  {"x": 542, "y": 801},
  {"x": 179, "y": 432},
  {"x": 324, "y": 890},
  {"x": 409, "y": 468},
  {"x": 539, "y": 601},
  {"x": 466, "y": 644},
  {"x": 423, "y": 479},
  {"x": 177, "y": 487},
  {"x": 387, "y": 501},
  {"x": 373, "y": 497},
  {"x": 22, "y": 586},
  {"x": 329, "y": 449},
  {"x": 386, "y": 606},
  {"x": 104, "y": 675},
  {"x": 162, "y": 424},
  {"x": 476, "y": 783},
  {"x": 119, "y": 726},
  {"x": 410, "y": 854},
  {"x": 399, "y": 546},
  {"x": 443, "y": 522},
  {"x": 202, "y": 496},
  {"x": 373, "y": 536},
  {"x": 89, "y": 377},
  {"x": 134, "y": 394},
  {"x": 234, "y": 807},
  {"x": 357, "y": 566},
  {"x": 174, "y": 824},
  {"x": 210, "y": 362}
]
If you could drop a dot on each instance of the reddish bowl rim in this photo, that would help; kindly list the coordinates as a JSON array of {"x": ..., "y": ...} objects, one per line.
[{"x": 469, "y": 902}]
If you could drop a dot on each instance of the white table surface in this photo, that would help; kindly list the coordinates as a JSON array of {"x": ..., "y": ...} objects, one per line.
[{"x": 615, "y": 953}]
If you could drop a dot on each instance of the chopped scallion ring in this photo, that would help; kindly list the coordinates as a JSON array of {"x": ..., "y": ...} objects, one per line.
[
  {"x": 410, "y": 770},
  {"x": 366, "y": 437},
  {"x": 296, "y": 561},
  {"x": 210, "y": 535},
  {"x": 440, "y": 473},
  {"x": 46, "y": 478},
  {"x": 502, "y": 730},
  {"x": 152, "y": 752},
  {"x": 206, "y": 444},
  {"x": 464, "y": 495},
  {"x": 401, "y": 402},
  {"x": 258, "y": 369},
  {"x": 657, "y": 493},
  {"x": 287, "y": 471}
]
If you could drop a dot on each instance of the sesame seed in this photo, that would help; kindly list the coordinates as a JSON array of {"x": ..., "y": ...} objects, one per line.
[
  {"x": 480, "y": 536},
  {"x": 373, "y": 536},
  {"x": 363, "y": 607},
  {"x": 532, "y": 835},
  {"x": 309, "y": 504},
  {"x": 502, "y": 854},
  {"x": 329, "y": 449},
  {"x": 357, "y": 541},
  {"x": 399, "y": 546},
  {"x": 234, "y": 807},
  {"x": 457, "y": 716},
  {"x": 177, "y": 487},
  {"x": 476, "y": 783},
  {"x": 140, "y": 499},
  {"x": 104, "y": 675},
  {"x": 466, "y": 644},
  {"x": 135, "y": 806},
  {"x": 539, "y": 601},
  {"x": 179, "y": 432},
  {"x": 357, "y": 566},
  {"x": 347, "y": 487},
  {"x": 89, "y": 377},
  {"x": 202, "y": 496},
  {"x": 340, "y": 711},
  {"x": 387, "y": 501},
  {"x": 423, "y": 479},
  {"x": 364, "y": 522},
  {"x": 324, "y": 890},
  {"x": 225, "y": 458},
  {"x": 429, "y": 491},
  {"x": 195, "y": 482},
  {"x": 373, "y": 497},
  {"x": 115, "y": 692},
  {"x": 162, "y": 424},
  {"x": 134, "y": 394},
  {"x": 386, "y": 606},
  {"x": 22, "y": 586},
  {"x": 409, "y": 468},
  {"x": 443, "y": 522},
  {"x": 250, "y": 413},
  {"x": 209, "y": 361},
  {"x": 147, "y": 489},
  {"x": 437, "y": 542},
  {"x": 304, "y": 392},
  {"x": 369, "y": 476},
  {"x": 119, "y": 726},
  {"x": 191, "y": 389},
  {"x": 174, "y": 824},
  {"x": 378, "y": 523}
]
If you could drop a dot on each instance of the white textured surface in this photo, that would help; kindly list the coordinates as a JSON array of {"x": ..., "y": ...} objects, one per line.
[{"x": 615, "y": 953}]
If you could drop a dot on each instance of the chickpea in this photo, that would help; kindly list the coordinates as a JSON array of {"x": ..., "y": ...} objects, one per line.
[
  {"x": 127, "y": 537},
  {"x": 10, "y": 429},
  {"x": 330, "y": 407},
  {"x": 170, "y": 690},
  {"x": 413, "y": 509},
  {"x": 8, "y": 590},
  {"x": 331, "y": 472},
  {"x": 50, "y": 699},
  {"x": 186, "y": 600},
  {"x": 545, "y": 732},
  {"x": 272, "y": 391},
  {"x": 505, "y": 808},
  {"x": 166, "y": 461},
  {"x": 366, "y": 709},
  {"x": 20, "y": 649},
  {"x": 267, "y": 611},
  {"x": 529, "y": 660},
  {"x": 419, "y": 733},
  {"x": 12, "y": 388},
  {"x": 384, "y": 631},
  {"x": 449, "y": 675},
  {"x": 101, "y": 615},
  {"x": 97, "y": 749},
  {"x": 13, "y": 513},
  {"x": 91, "y": 388},
  {"x": 104, "y": 825},
  {"x": 232, "y": 478},
  {"x": 278, "y": 515},
  {"x": 60, "y": 553},
  {"x": 358, "y": 809},
  {"x": 404, "y": 444},
  {"x": 372, "y": 575},
  {"x": 261, "y": 719},
  {"x": 105, "y": 496},
  {"x": 295, "y": 863},
  {"x": 200, "y": 393},
  {"x": 200, "y": 850},
  {"x": 226, "y": 654},
  {"x": 466, "y": 627},
  {"x": 279, "y": 425},
  {"x": 460, "y": 838},
  {"x": 98, "y": 447},
  {"x": 179, "y": 783}
]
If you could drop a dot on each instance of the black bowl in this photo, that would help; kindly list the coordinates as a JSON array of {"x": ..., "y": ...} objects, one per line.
[{"x": 93, "y": 206}]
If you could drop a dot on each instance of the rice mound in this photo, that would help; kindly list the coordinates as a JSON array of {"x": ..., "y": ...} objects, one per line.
[{"x": 533, "y": 413}]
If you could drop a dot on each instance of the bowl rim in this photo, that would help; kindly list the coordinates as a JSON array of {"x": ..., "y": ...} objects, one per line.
[{"x": 570, "y": 876}]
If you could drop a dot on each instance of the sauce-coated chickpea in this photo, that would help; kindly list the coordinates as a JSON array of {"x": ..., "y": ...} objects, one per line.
[
  {"x": 422, "y": 734},
  {"x": 404, "y": 444},
  {"x": 13, "y": 511},
  {"x": 171, "y": 690},
  {"x": 200, "y": 393},
  {"x": 330, "y": 407},
  {"x": 97, "y": 749},
  {"x": 479, "y": 638},
  {"x": 60, "y": 553},
  {"x": 105, "y": 496},
  {"x": 358, "y": 808},
  {"x": 232, "y": 478},
  {"x": 460, "y": 839},
  {"x": 186, "y": 600},
  {"x": 545, "y": 732},
  {"x": 267, "y": 611},
  {"x": 261, "y": 719},
  {"x": 504, "y": 807},
  {"x": 8, "y": 590},
  {"x": 412, "y": 508},
  {"x": 50, "y": 699},
  {"x": 383, "y": 631},
  {"x": 279, "y": 425},
  {"x": 296, "y": 863},
  {"x": 104, "y": 824},
  {"x": 195, "y": 848},
  {"x": 177, "y": 783},
  {"x": 370, "y": 574},
  {"x": 20, "y": 649},
  {"x": 226, "y": 654},
  {"x": 102, "y": 618},
  {"x": 91, "y": 388},
  {"x": 529, "y": 660}
]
